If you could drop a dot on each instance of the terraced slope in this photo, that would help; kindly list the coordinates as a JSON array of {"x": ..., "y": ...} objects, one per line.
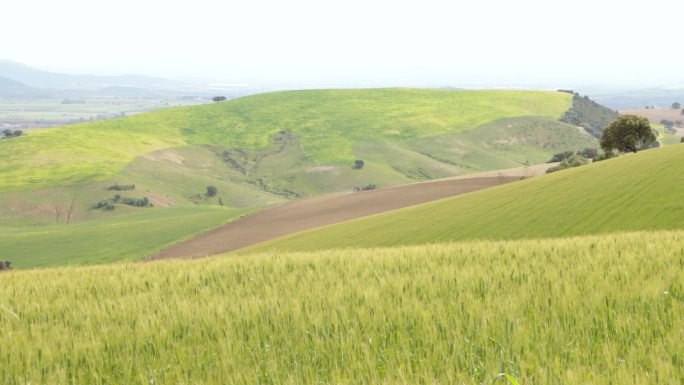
[{"x": 633, "y": 192}]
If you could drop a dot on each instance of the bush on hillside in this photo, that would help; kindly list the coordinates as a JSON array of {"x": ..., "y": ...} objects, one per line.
[
  {"x": 5, "y": 265},
  {"x": 211, "y": 191},
  {"x": 370, "y": 186},
  {"x": 589, "y": 153},
  {"x": 561, "y": 156},
  {"x": 667, "y": 123},
  {"x": 573, "y": 161},
  {"x": 121, "y": 187},
  {"x": 109, "y": 204},
  {"x": 358, "y": 164},
  {"x": 105, "y": 205},
  {"x": 218, "y": 98},
  {"x": 137, "y": 202},
  {"x": 12, "y": 134}
]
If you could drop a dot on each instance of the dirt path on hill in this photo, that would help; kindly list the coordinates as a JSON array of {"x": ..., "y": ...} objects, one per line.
[{"x": 309, "y": 213}]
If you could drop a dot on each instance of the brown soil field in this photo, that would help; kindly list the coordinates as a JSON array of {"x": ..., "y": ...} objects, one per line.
[
  {"x": 655, "y": 115},
  {"x": 309, "y": 213}
]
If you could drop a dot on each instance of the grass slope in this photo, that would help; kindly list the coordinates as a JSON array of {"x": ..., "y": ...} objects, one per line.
[
  {"x": 600, "y": 310},
  {"x": 328, "y": 122},
  {"x": 633, "y": 192},
  {"x": 126, "y": 237}
]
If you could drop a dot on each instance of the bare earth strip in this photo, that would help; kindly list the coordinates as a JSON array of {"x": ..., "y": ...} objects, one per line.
[{"x": 309, "y": 213}]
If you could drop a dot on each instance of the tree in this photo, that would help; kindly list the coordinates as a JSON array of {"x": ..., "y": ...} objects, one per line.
[
  {"x": 676, "y": 105},
  {"x": 667, "y": 123},
  {"x": 218, "y": 98},
  {"x": 211, "y": 191},
  {"x": 629, "y": 133},
  {"x": 358, "y": 164}
]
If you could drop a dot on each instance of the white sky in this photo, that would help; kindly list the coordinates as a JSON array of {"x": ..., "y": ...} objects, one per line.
[{"x": 381, "y": 42}]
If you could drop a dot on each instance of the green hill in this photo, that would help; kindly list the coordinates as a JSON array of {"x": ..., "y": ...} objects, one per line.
[
  {"x": 263, "y": 150},
  {"x": 328, "y": 123},
  {"x": 630, "y": 193}
]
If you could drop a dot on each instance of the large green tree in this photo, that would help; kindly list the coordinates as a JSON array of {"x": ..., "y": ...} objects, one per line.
[{"x": 629, "y": 133}]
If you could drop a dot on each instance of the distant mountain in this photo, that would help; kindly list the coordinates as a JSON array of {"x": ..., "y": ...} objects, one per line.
[
  {"x": 44, "y": 79},
  {"x": 13, "y": 89},
  {"x": 638, "y": 98}
]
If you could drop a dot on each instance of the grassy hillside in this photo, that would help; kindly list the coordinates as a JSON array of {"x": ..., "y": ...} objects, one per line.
[
  {"x": 127, "y": 237},
  {"x": 258, "y": 151},
  {"x": 633, "y": 192},
  {"x": 600, "y": 310},
  {"x": 327, "y": 121}
]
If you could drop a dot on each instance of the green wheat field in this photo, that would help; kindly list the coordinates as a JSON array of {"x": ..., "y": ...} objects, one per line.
[{"x": 586, "y": 310}]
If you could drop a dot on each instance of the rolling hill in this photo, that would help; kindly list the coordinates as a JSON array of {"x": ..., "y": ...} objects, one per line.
[
  {"x": 630, "y": 193},
  {"x": 12, "y": 89},
  {"x": 457, "y": 296},
  {"x": 266, "y": 149},
  {"x": 60, "y": 81},
  {"x": 326, "y": 123}
]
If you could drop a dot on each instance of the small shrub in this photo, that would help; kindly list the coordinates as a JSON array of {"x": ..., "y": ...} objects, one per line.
[
  {"x": 573, "y": 161},
  {"x": 5, "y": 265},
  {"x": 370, "y": 186},
  {"x": 121, "y": 187},
  {"x": 109, "y": 204},
  {"x": 211, "y": 191},
  {"x": 105, "y": 205},
  {"x": 12, "y": 134},
  {"x": 561, "y": 156},
  {"x": 604, "y": 156},
  {"x": 667, "y": 123},
  {"x": 358, "y": 164},
  {"x": 142, "y": 202},
  {"x": 589, "y": 153}
]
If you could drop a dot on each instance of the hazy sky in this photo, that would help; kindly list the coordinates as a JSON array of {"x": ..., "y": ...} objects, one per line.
[{"x": 382, "y": 42}]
